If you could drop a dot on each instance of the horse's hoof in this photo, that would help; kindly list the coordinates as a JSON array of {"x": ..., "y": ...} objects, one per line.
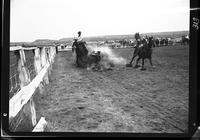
[
  {"x": 128, "y": 65},
  {"x": 142, "y": 69}
]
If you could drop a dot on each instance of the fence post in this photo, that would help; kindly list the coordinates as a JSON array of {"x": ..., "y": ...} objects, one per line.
[
  {"x": 33, "y": 112},
  {"x": 50, "y": 60},
  {"x": 43, "y": 57},
  {"x": 25, "y": 80},
  {"x": 38, "y": 66},
  {"x": 24, "y": 75},
  {"x": 44, "y": 62}
]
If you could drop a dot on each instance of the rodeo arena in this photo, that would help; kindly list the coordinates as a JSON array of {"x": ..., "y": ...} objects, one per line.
[{"x": 138, "y": 84}]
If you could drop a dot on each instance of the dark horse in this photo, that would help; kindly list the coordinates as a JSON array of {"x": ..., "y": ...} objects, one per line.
[
  {"x": 143, "y": 50},
  {"x": 184, "y": 40},
  {"x": 82, "y": 58}
]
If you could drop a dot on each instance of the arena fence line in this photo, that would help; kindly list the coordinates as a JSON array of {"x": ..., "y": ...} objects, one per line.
[{"x": 30, "y": 67}]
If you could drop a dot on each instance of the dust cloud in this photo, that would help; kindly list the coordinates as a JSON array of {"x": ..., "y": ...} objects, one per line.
[{"x": 107, "y": 54}]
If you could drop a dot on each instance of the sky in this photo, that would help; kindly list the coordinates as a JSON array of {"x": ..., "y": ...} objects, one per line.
[{"x": 56, "y": 19}]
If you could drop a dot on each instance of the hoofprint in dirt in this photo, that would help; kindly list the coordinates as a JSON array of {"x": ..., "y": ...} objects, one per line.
[{"x": 122, "y": 100}]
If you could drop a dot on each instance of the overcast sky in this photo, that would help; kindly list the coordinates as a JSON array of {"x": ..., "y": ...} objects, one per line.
[{"x": 55, "y": 19}]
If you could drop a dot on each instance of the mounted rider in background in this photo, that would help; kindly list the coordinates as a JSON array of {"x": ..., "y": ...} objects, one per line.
[{"x": 137, "y": 40}]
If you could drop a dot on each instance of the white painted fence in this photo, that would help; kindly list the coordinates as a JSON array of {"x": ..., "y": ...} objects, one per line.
[{"x": 40, "y": 66}]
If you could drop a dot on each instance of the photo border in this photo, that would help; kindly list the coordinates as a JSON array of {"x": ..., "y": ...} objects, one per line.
[{"x": 193, "y": 87}]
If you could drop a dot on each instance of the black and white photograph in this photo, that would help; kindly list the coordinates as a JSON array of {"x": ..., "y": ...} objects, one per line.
[{"x": 111, "y": 66}]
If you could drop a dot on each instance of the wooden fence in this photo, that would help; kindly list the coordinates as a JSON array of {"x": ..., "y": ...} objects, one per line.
[{"x": 30, "y": 67}]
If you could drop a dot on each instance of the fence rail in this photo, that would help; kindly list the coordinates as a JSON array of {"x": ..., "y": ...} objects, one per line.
[{"x": 29, "y": 68}]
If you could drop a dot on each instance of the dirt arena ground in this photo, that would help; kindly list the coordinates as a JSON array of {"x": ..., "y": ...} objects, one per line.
[{"x": 124, "y": 99}]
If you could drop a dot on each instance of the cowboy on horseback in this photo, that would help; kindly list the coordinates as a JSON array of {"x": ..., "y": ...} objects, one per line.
[
  {"x": 137, "y": 40},
  {"x": 79, "y": 39},
  {"x": 142, "y": 50},
  {"x": 84, "y": 58},
  {"x": 80, "y": 51}
]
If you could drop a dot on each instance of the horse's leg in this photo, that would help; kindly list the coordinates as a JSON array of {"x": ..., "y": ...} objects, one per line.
[
  {"x": 143, "y": 64},
  {"x": 136, "y": 65},
  {"x": 150, "y": 61},
  {"x": 130, "y": 64},
  {"x": 132, "y": 59}
]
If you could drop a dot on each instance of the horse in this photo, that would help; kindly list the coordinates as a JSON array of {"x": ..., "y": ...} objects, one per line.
[
  {"x": 162, "y": 42},
  {"x": 184, "y": 40},
  {"x": 143, "y": 51},
  {"x": 81, "y": 53},
  {"x": 157, "y": 42},
  {"x": 83, "y": 58}
]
